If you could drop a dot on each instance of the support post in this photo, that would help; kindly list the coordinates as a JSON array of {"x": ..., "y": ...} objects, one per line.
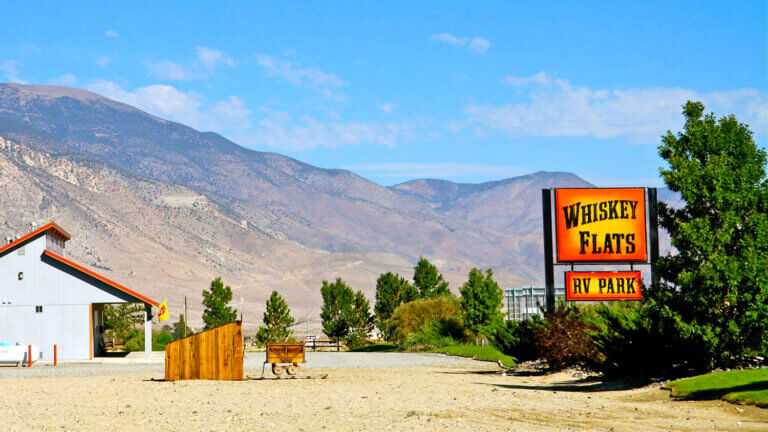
[
  {"x": 654, "y": 228},
  {"x": 55, "y": 355},
  {"x": 29, "y": 355},
  {"x": 549, "y": 266},
  {"x": 147, "y": 329}
]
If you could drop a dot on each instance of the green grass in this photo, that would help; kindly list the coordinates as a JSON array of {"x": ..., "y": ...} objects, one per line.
[
  {"x": 384, "y": 347},
  {"x": 478, "y": 352},
  {"x": 738, "y": 386}
]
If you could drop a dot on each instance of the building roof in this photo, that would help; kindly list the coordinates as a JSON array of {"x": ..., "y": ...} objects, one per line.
[
  {"x": 99, "y": 277},
  {"x": 52, "y": 227}
]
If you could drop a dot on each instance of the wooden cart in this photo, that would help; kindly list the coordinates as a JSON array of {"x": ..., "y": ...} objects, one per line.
[{"x": 285, "y": 357}]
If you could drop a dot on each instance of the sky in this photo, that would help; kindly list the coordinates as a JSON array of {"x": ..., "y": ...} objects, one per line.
[{"x": 463, "y": 91}]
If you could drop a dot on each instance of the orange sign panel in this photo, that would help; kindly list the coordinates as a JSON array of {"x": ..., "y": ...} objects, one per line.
[
  {"x": 599, "y": 225},
  {"x": 584, "y": 286}
]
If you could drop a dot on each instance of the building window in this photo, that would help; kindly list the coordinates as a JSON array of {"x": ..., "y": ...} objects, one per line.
[{"x": 38, "y": 309}]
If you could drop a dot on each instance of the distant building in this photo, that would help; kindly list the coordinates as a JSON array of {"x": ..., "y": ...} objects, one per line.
[
  {"x": 46, "y": 299},
  {"x": 523, "y": 303}
]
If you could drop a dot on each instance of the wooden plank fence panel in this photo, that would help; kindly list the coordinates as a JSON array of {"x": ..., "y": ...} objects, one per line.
[{"x": 215, "y": 354}]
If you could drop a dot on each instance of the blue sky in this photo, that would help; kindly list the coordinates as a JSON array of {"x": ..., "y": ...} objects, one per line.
[{"x": 468, "y": 92}]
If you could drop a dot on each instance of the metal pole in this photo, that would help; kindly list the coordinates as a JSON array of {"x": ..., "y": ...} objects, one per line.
[
  {"x": 549, "y": 267},
  {"x": 654, "y": 228}
]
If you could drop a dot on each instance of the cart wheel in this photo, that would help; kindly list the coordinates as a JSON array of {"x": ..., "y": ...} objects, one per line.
[
  {"x": 277, "y": 369},
  {"x": 292, "y": 369}
]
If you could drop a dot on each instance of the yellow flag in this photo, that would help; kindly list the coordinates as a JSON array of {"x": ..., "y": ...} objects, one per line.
[{"x": 163, "y": 311}]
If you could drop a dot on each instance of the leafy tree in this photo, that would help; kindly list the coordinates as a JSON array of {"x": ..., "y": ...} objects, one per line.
[
  {"x": 338, "y": 301},
  {"x": 119, "y": 320},
  {"x": 715, "y": 298},
  {"x": 178, "y": 328},
  {"x": 428, "y": 281},
  {"x": 392, "y": 290},
  {"x": 360, "y": 321},
  {"x": 216, "y": 301},
  {"x": 277, "y": 319},
  {"x": 481, "y": 302}
]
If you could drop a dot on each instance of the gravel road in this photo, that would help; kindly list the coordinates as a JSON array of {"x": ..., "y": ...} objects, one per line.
[{"x": 252, "y": 365}]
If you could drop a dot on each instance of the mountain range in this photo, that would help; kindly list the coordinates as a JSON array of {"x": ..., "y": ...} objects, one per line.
[{"x": 164, "y": 208}]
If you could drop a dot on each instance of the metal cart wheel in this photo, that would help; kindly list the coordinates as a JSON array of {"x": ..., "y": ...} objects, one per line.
[
  {"x": 292, "y": 369},
  {"x": 277, "y": 369}
]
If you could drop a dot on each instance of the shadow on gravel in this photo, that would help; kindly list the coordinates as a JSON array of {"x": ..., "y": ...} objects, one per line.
[{"x": 580, "y": 386}]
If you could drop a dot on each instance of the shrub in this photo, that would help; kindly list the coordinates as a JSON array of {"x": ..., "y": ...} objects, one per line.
[
  {"x": 517, "y": 338},
  {"x": 564, "y": 339},
  {"x": 412, "y": 317},
  {"x": 135, "y": 340},
  {"x": 435, "y": 334}
]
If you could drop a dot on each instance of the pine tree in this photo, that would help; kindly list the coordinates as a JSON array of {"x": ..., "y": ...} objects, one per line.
[
  {"x": 338, "y": 301},
  {"x": 481, "y": 302},
  {"x": 216, "y": 303},
  {"x": 277, "y": 320},
  {"x": 392, "y": 290},
  {"x": 428, "y": 280},
  {"x": 178, "y": 331},
  {"x": 360, "y": 321}
]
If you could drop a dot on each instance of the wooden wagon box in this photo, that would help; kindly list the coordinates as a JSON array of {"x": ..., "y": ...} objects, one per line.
[{"x": 285, "y": 356}]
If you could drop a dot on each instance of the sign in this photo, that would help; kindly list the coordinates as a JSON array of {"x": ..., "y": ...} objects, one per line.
[
  {"x": 600, "y": 225},
  {"x": 586, "y": 286}
]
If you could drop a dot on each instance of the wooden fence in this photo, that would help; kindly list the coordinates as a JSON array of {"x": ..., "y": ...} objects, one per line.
[{"x": 215, "y": 354}]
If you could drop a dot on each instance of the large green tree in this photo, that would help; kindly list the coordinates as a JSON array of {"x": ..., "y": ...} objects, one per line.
[
  {"x": 277, "y": 320},
  {"x": 338, "y": 301},
  {"x": 715, "y": 292},
  {"x": 481, "y": 302},
  {"x": 392, "y": 290},
  {"x": 120, "y": 320},
  {"x": 428, "y": 280},
  {"x": 180, "y": 328},
  {"x": 216, "y": 303}
]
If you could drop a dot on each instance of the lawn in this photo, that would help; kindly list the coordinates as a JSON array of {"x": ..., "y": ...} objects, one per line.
[
  {"x": 382, "y": 347},
  {"x": 738, "y": 386},
  {"x": 478, "y": 352}
]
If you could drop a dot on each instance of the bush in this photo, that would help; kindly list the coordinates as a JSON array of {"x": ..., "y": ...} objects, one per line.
[
  {"x": 357, "y": 340},
  {"x": 517, "y": 338},
  {"x": 435, "y": 334},
  {"x": 564, "y": 339},
  {"x": 441, "y": 314},
  {"x": 135, "y": 340}
]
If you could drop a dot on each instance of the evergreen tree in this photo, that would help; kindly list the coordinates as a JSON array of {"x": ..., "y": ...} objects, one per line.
[
  {"x": 277, "y": 320},
  {"x": 216, "y": 303},
  {"x": 120, "y": 320},
  {"x": 481, "y": 302},
  {"x": 714, "y": 301},
  {"x": 392, "y": 290},
  {"x": 338, "y": 301},
  {"x": 360, "y": 321},
  {"x": 428, "y": 280},
  {"x": 179, "y": 327}
]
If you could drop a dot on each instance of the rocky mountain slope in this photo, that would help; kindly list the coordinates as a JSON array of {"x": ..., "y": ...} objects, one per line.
[{"x": 167, "y": 207}]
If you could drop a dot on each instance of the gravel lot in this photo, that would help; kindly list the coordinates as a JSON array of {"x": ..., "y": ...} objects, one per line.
[{"x": 252, "y": 365}]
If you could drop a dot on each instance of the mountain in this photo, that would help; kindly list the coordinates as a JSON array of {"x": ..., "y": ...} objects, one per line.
[{"x": 176, "y": 206}]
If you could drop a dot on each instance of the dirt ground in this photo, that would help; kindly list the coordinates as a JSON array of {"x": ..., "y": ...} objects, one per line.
[{"x": 361, "y": 399}]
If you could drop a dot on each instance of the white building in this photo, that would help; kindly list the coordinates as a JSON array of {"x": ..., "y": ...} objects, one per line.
[{"x": 47, "y": 299}]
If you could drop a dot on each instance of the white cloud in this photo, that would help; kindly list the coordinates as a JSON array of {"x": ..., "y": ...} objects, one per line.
[
  {"x": 302, "y": 76},
  {"x": 387, "y": 107},
  {"x": 476, "y": 44},
  {"x": 64, "y": 80},
  {"x": 554, "y": 107},
  {"x": 211, "y": 57},
  {"x": 167, "y": 70},
  {"x": 111, "y": 33},
  {"x": 10, "y": 70},
  {"x": 437, "y": 170},
  {"x": 202, "y": 65},
  {"x": 102, "y": 61},
  {"x": 184, "y": 107},
  {"x": 279, "y": 131}
]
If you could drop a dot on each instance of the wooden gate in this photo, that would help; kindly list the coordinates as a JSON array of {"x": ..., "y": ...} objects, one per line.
[{"x": 215, "y": 354}]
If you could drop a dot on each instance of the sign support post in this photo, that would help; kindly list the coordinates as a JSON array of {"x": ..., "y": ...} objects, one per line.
[
  {"x": 654, "y": 228},
  {"x": 549, "y": 265}
]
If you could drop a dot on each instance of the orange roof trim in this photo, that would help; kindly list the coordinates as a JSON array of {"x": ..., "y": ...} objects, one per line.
[
  {"x": 52, "y": 226},
  {"x": 109, "y": 282}
]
